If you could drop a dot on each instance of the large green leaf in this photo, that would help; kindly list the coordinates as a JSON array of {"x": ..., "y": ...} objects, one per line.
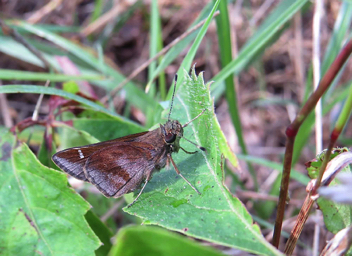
[
  {"x": 39, "y": 213},
  {"x": 156, "y": 241},
  {"x": 215, "y": 215}
]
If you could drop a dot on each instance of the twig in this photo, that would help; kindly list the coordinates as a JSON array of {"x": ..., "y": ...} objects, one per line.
[
  {"x": 5, "y": 110},
  {"x": 162, "y": 52},
  {"x": 260, "y": 12},
  {"x": 293, "y": 128},
  {"x": 39, "y": 102},
  {"x": 104, "y": 19},
  {"x": 44, "y": 11},
  {"x": 301, "y": 220},
  {"x": 112, "y": 210},
  {"x": 261, "y": 196}
]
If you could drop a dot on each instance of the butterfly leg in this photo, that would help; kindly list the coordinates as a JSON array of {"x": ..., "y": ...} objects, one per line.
[
  {"x": 187, "y": 152},
  {"x": 178, "y": 172},
  {"x": 140, "y": 192}
]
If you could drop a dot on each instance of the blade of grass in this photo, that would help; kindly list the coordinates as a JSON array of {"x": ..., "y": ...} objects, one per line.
[
  {"x": 54, "y": 91},
  {"x": 153, "y": 43},
  {"x": 260, "y": 40},
  {"x": 341, "y": 28},
  {"x": 10, "y": 47},
  {"x": 187, "y": 61},
  {"x": 175, "y": 51},
  {"x": 296, "y": 175},
  {"x": 90, "y": 59},
  {"x": 224, "y": 39},
  {"x": 9, "y": 74},
  {"x": 98, "y": 9}
]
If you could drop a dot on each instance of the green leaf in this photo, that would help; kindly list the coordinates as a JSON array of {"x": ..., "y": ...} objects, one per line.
[
  {"x": 101, "y": 231},
  {"x": 72, "y": 137},
  {"x": 336, "y": 216},
  {"x": 44, "y": 154},
  {"x": 104, "y": 129},
  {"x": 215, "y": 215},
  {"x": 39, "y": 213},
  {"x": 156, "y": 241}
]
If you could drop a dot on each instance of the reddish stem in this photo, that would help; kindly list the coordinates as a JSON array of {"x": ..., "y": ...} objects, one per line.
[{"x": 293, "y": 129}]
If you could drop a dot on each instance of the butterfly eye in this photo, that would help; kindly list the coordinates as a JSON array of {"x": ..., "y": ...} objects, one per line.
[{"x": 170, "y": 137}]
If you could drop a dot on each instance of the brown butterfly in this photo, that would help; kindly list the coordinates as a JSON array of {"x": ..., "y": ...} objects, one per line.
[{"x": 117, "y": 167}]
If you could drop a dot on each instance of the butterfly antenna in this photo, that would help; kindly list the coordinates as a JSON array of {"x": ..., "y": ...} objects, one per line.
[
  {"x": 172, "y": 99},
  {"x": 190, "y": 121},
  {"x": 200, "y": 147}
]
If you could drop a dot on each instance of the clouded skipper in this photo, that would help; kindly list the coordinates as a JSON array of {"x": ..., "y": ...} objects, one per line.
[{"x": 117, "y": 167}]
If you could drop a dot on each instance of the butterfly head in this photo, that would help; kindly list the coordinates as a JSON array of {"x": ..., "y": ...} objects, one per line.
[{"x": 172, "y": 132}]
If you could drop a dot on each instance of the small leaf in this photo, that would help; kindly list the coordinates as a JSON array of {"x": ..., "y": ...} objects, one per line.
[
  {"x": 71, "y": 87},
  {"x": 336, "y": 216},
  {"x": 39, "y": 213}
]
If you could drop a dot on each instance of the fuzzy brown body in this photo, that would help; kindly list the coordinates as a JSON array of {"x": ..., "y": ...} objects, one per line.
[{"x": 119, "y": 166}]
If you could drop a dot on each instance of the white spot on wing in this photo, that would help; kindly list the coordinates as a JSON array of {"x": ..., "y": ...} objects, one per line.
[{"x": 80, "y": 154}]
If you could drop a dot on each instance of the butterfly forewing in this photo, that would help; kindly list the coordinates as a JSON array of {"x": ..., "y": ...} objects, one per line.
[
  {"x": 119, "y": 169},
  {"x": 73, "y": 160}
]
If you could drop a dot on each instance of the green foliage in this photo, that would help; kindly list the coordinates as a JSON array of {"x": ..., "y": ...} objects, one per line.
[
  {"x": 336, "y": 216},
  {"x": 155, "y": 241},
  {"x": 314, "y": 165},
  {"x": 39, "y": 212}
]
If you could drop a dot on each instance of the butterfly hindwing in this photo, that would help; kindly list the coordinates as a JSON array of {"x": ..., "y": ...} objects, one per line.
[
  {"x": 73, "y": 160},
  {"x": 119, "y": 169}
]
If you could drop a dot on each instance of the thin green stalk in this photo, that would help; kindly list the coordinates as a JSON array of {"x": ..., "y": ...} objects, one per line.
[{"x": 223, "y": 29}]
